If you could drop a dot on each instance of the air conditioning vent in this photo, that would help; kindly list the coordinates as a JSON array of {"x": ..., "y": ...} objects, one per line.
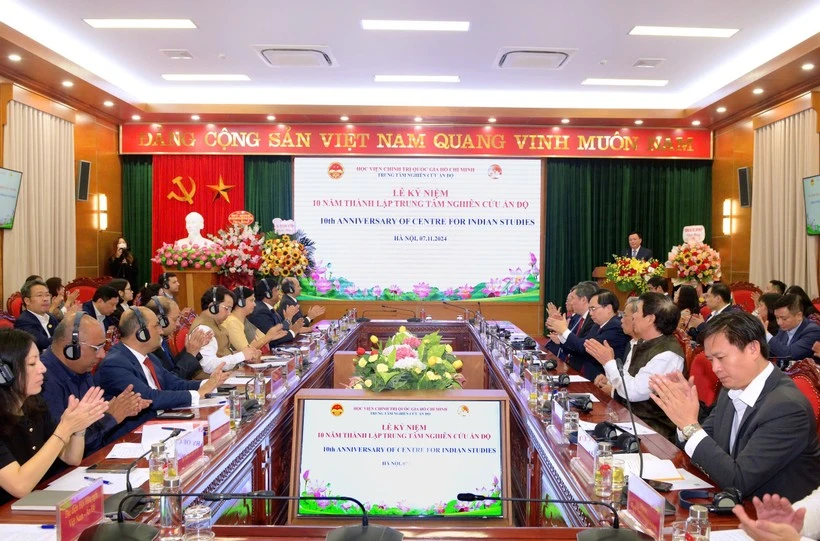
[
  {"x": 287, "y": 56},
  {"x": 177, "y": 54},
  {"x": 532, "y": 58},
  {"x": 648, "y": 62}
]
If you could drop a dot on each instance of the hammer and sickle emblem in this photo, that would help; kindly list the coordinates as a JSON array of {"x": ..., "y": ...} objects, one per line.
[{"x": 186, "y": 195}]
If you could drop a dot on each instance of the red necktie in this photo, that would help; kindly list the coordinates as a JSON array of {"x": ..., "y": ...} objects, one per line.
[
  {"x": 147, "y": 362},
  {"x": 580, "y": 325}
]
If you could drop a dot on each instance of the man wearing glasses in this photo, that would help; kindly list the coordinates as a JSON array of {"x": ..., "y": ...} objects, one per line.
[
  {"x": 217, "y": 303},
  {"x": 36, "y": 319},
  {"x": 66, "y": 377}
]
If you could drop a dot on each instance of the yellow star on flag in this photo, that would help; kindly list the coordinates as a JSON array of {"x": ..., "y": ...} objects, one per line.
[{"x": 221, "y": 189}]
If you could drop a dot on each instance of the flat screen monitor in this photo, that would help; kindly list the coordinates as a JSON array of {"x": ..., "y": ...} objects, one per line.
[
  {"x": 811, "y": 197},
  {"x": 9, "y": 193}
]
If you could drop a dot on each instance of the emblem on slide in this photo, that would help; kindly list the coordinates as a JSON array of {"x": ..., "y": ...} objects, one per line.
[
  {"x": 463, "y": 410},
  {"x": 336, "y": 410},
  {"x": 494, "y": 171},
  {"x": 335, "y": 170}
]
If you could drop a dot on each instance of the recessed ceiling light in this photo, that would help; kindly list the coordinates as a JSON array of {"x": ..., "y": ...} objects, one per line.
[
  {"x": 344, "y": 118},
  {"x": 757, "y": 91},
  {"x": 491, "y": 120},
  {"x": 683, "y": 31},
  {"x": 440, "y": 26},
  {"x": 15, "y": 57},
  {"x": 140, "y": 23},
  {"x": 194, "y": 117},
  {"x": 418, "y": 119},
  {"x": 68, "y": 84},
  {"x": 350, "y": 125},
  {"x": 108, "y": 103},
  {"x": 564, "y": 121},
  {"x": 625, "y": 82},
  {"x": 281, "y": 126},
  {"x": 135, "y": 117},
  {"x": 639, "y": 122},
  {"x": 417, "y": 79},
  {"x": 271, "y": 117},
  {"x": 807, "y": 66},
  {"x": 696, "y": 122},
  {"x": 205, "y": 77},
  {"x": 155, "y": 125},
  {"x": 721, "y": 109}
]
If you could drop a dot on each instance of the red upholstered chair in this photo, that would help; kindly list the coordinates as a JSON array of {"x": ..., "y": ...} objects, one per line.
[
  {"x": 87, "y": 286},
  {"x": 6, "y": 320},
  {"x": 14, "y": 304},
  {"x": 688, "y": 351},
  {"x": 704, "y": 312},
  {"x": 742, "y": 295},
  {"x": 178, "y": 340},
  {"x": 816, "y": 303},
  {"x": 806, "y": 376},
  {"x": 706, "y": 381}
]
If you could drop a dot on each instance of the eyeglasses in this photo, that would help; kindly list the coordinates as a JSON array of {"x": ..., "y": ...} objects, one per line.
[
  {"x": 41, "y": 296},
  {"x": 593, "y": 308},
  {"x": 95, "y": 348},
  {"x": 226, "y": 307}
]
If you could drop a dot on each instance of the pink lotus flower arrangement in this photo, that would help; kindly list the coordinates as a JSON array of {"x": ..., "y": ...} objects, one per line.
[
  {"x": 193, "y": 257},
  {"x": 694, "y": 262}
]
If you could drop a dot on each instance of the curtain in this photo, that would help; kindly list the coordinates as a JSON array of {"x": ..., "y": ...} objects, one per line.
[
  {"x": 269, "y": 188},
  {"x": 785, "y": 152},
  {"x": 137, "y": 176},
  {"x": 593, "y": 204},
  {"x": 43, "y": 238},
  {"x": 213, "y": 186}
]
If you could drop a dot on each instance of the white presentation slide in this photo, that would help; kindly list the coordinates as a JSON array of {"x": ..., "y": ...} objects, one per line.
[
  {"x": 421, "y": 228},
  {"x": 9, "y": 191},
  {"x": 811, "y": 192},
  {"x": 401, "y": 457}
]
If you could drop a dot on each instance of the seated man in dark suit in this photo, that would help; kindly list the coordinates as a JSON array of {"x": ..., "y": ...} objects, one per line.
[
  {"x": 559, "y": 327},
  {"x": 186, "y": 363},
  {"x": 797, "y": 334},
  {"x": 72, "y": 377},
  {"x": 718, "y": 299},
  {"x": 103, "y": 305},
  {"x": 131, "y": 362},
  {"x": 291, "y": 288},
  {"x": 761, "y": 436},
  {"x": 635, "y": 249},
  {"x": 36, "y": 319},
  {"x": 572, "y": 319},
  {"x": 265, "y": 316}
]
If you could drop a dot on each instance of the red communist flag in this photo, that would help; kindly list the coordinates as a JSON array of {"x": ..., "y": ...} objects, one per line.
[{"x": 213, "y": 186}]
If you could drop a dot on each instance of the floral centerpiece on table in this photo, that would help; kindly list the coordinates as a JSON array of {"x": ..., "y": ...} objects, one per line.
[
  {"x": 286, "y": 251},
  {"x": 694, "y": 262},
  {"x": 405, "y": 362},
  {"x": 192, "y": 257},
  {"x": 242, "y": 254},
  {"x": 631, "y": 274}
]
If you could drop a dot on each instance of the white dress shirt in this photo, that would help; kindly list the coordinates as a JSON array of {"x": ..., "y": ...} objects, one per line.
[
  {"x": 811, "y": 525},
  {"x": 43, "y": 319},
  {"x": 577, "y": 328},
  {"x": 638, "y": 387},
  {"x": 150, "y": 377},
  {"x": 210, "y": 361}
]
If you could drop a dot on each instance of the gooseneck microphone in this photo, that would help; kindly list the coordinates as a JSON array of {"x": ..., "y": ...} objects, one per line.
[
  {"x": 414, "y": 319},
  {"x": 459, "y": 308},
  {"x": 365, "y": 319},
  {"x": 620, "y": 364}
]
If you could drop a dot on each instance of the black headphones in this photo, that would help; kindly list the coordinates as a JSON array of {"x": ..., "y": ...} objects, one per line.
[
  {"x": 161, "y": 317},
  {"x": 142, "y": 334},
  {"x": 582, "y": 402},
  {"x": 163, "y": 280},
  {"x": 287, "y": 287},
  {"x": 240, "y": 296},
  {"x": 722, "y": 502},
  {"x": 6, "y": 373},
  {"x": 549, "y": 364},
  {"x": 617, "y": 436},
  {"x": 268, "y": 292},
  {"x": 213, "y": 307},
  {"x": 73, "y": 351},
  {"x": 561, "y": 381}
]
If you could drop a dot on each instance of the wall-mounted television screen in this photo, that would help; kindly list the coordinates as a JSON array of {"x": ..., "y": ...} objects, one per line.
[
  {"x": 9, "y": 192},
  {"x": 811, "y": 196}
]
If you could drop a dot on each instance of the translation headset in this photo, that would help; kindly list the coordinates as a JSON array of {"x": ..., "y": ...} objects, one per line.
[
  {"x": 287, "y": 287},
  {"x": 214, "y": 306},
  {"x": 722, "y": 502},
  {"x": 549, "y": 364},
  {"x": 617, "y": 436},
  {"x": 581, "y": 402},
  {"x": 161, "y": 316},
  {"x": 6, "y": 373},
  {"x": 561, "y": 380},
  {"x": 163, "y": 280},
  {"x": 73, "y": 351},
  {"x": 143, "y": 334},
  {"x": 268, "y": 292},
  {"x": 240, "y": 296}
]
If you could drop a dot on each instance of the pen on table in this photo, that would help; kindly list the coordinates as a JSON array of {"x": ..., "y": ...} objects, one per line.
[
  {"x": 48, "y": 526},
  {"x": 168, "y": 428},
  {"x": 105, "y": 481}
]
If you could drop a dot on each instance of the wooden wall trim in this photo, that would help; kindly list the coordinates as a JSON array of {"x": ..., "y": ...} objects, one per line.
[
  {"x": 815, "y": 104},
  {"x": 43, "y": 103},
  {"x": 784, "y": 110}
]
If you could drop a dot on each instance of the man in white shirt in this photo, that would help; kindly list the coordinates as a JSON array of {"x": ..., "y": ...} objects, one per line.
[
  {"x": 761, "y": 437},
  {"x": 217, "y": 303}
]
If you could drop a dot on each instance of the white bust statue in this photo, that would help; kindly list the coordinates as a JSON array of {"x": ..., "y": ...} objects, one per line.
[{"x": 194, "y": 223}]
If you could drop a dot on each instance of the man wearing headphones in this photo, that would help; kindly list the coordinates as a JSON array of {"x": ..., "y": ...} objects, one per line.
[
  {"x": 217, "y": 303},
  {"x": 75, "y": 351},
  {"x": 265, "y": 316},
  {"x": 291, "y": 288},
  {"x": 168, "y": 285},
  {"x": 760, "y": 437},
  {"x": 186, "y": 363},
  {"x": 131, "y": 362}
]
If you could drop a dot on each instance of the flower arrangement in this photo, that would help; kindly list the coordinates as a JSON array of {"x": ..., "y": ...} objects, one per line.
[
  {"x": 406, "y": 362},
  {"x": 286, "y": 251},
  {"x": 630, "y": 274},
  {"x": 188, "y": 257},
  {"x": 242, "y": 249},
  {"x": 694, "y": 261}
]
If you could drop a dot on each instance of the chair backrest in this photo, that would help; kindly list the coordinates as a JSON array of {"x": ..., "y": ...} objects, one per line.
[
  {"x": 743, "y": 298},
  {"x": 748, "y": 286},
  {"x": 705, "y": 311},
  {"x": 806, "y": 376},
  {"x": 707, "y": 383},
  {"x": 688, "y": 351},
  {"x": 179, "y": 337},
  {"x": 87, "y": 286},
  {"x": 6, "y": 320},
  {"x": 14, "y": 304}
]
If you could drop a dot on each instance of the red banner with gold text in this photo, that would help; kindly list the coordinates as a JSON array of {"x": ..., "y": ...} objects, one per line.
[{"x": 400, "y": 140}]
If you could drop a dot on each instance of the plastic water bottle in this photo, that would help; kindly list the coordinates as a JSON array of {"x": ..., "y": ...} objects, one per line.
[
  {"x": 171, "y": 511},
  {"x": 156, "y": 467},
  {"x": 603, "y": 470},
  {"x": 698, "y": 527}
]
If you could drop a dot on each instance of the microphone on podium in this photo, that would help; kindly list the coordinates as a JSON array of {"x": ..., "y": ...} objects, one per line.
[
  {"x": 459, "y": 308},
  {"x": 414, "y": 319},
  {"x": 121, "y": 530},
  {"x": 590, "y": 534},
  {"x": 365, "y": 319}
]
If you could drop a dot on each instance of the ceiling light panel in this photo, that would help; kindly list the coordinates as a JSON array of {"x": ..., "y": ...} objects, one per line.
[
  {"x": 625, "y": 82},
  {"x": 417, "y": 26},
  {"x": 162, "y": 24},
  {"x": 205, "y": 77},
  {"x": 683, "y": 32},
  {"x": 417, "y": 79}
]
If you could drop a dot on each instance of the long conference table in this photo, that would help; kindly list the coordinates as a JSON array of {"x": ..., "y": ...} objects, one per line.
[{"x": 259, "y": 455}]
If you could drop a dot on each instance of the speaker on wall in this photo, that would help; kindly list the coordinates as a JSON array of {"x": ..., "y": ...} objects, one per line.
[
  {"x": 744, "y": 183},
  {"x": 83, "y": 176}
]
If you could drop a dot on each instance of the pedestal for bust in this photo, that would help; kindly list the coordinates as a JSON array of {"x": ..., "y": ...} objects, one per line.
[{"x": 192, "y": 284}]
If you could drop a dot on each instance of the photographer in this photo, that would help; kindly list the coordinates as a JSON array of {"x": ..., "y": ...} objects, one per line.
[{"x": 122, "y": 264}]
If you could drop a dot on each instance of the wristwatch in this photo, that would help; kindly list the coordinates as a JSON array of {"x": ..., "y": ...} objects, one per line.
[{"x": 689, "y": 430}]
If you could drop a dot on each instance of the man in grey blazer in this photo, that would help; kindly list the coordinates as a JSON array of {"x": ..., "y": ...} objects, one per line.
[{"x": 761, "y": 436}]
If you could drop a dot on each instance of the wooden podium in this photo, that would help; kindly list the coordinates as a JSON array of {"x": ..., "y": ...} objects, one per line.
[
  {"x": 599, "y": 274},
  {"x": 192, "y": 284}
]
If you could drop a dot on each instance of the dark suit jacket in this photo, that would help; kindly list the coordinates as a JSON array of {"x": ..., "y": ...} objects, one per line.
[
  {"x": 29, "y": 323},
  {"x": 800, "y": 347},
  {"x": 263, "y": 318},
  {"x": 286, "y": 301},
  {"x": 587, "y": 365},
  {"x": 184, "y": 365},
  {"x": 120, "y": 367},
  {"x": 558, "y": 349},
  {"x": 643, "y": 253},
  {"x": 88, "y": 308},
  {"x": 694, "y": 332},
  {"x": 776, "y": 449}
]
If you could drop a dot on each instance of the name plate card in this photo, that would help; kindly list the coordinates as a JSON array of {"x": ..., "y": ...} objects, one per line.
[
  {"x": 586, "y": 452},
  {"x": 80, "y": 511},
  {"x": 529, "y": 386},
  {"x": 219, "y": 425},
  {"x": 645, "y": 505},
  {"x": 189, "y": 449},
  {"x": 556, "y": 429}
]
